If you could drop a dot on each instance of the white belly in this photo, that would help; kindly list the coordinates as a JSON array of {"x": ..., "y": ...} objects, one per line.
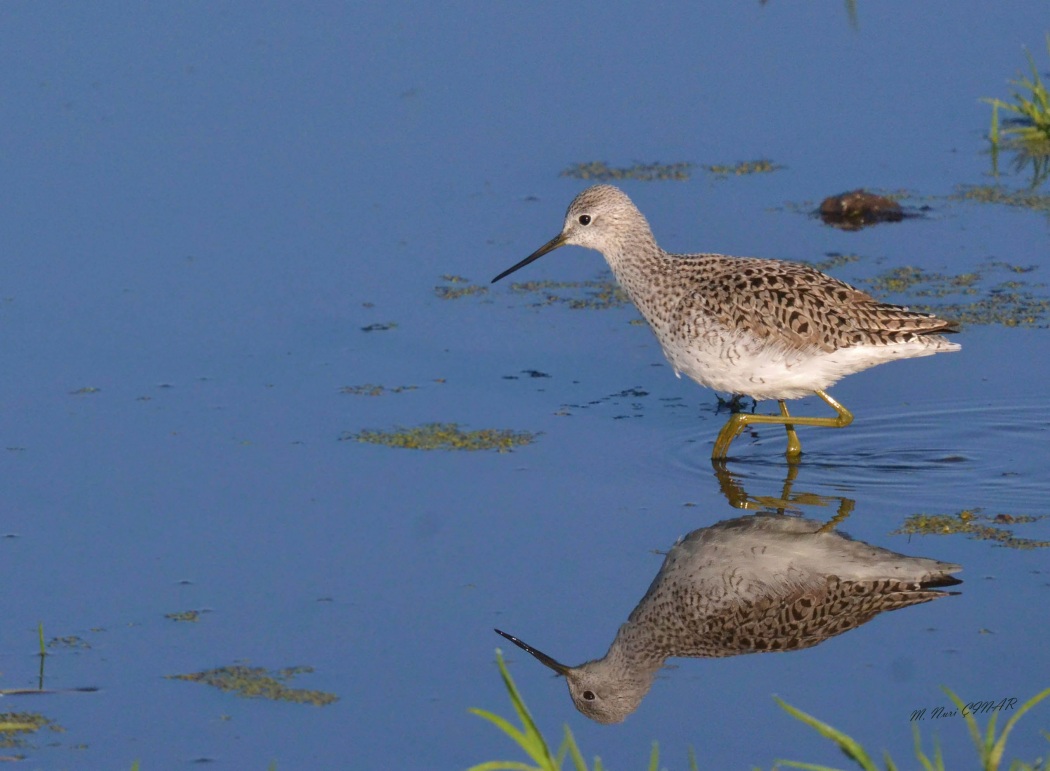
[{"x": 743, "y": 365}]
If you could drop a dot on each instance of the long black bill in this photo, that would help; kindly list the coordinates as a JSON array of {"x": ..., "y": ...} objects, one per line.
[
  {"x": 550, "y": 246},
  {"x": 558, "y": 667}
]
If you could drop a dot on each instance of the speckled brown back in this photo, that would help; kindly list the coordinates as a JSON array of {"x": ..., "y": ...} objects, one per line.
[
  {"x": 795, "y": 304},
  {"x": 778, "y": 623}
]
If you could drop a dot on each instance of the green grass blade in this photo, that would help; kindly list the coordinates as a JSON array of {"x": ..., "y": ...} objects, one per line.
[
  {"x": 654, "y": 758},
  {"x": 1000, "y": 745},
  {"x": 1036, "y": 87},
  {"x": 532, "y": 740},
  {"x": 919, "y": 754},
  {"x": 501, "y": 723},
  {"x": 569, "y": 745},
  {"x": 528, "y": 737},
  {"x": 1030, "y": 103},
  {"x": 938, "y": 763},
  {"x": 971, "y": 724},
  {"x": 989, "y": 737},
  {"x": 853, "y": 750},
  {"x": 993, "y": 132}
]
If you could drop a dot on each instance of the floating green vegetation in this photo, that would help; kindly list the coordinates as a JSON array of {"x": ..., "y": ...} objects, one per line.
[
  {"x": 644, "y": 172},
  {"x": 257, "y": 683},
  {"x": 629, "y": 395},
  {"x": 920, "y": 283},
  {"x": 597, "y": 295},
  {"x": 1006, "y": 304},
  {"x": 761, "y": 166},
  {"x": 380, "y": 327},
  {"x": 1024, "y": 199},
  {"x": 533, "y": 374},
  {"x": 85, "y": 390},
  {"x": 1011, "y": 303},
  {"x": 69, "y": 641},
  {"x": 457, "y": 286},
  {"x": 1030, "y": 108},
  {"x": 990, "y": 747},
  {"x": 974, "y": 524},
  {"x": 370, "y": 389},
  {"x": 185, "y": 616},
  {"x": 444, "y": 436},
  {"x": 831, "y": 261},
  {"x": 15, "y": 726}
]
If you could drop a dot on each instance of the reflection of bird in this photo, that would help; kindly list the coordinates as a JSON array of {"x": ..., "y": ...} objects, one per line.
[
  {"x": 754, "y": 584},
  {"x": 732, "y": 488},
  {"x": 764, "y": 328}
]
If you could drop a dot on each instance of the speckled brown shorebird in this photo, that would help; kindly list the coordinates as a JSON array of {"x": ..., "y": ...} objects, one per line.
[
  {"x": 755, "y": 584},
  {"x": 763, "y": 328}
]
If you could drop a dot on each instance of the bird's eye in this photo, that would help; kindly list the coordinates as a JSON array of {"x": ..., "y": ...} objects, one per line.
[
  {"x": 585, "y": 219},
  {"x": 588, "y": 695}
]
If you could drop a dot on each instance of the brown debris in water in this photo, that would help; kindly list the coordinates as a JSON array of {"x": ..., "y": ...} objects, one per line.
[{"x": 859, "y": 208}]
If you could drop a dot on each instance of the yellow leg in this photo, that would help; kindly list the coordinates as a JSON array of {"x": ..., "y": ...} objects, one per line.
[
  {"x": 845, "y": 509},
  {"x": 794, "y": 445},
  {"x": 738, "y": 422},
  {"x": 732, "y": 487}
]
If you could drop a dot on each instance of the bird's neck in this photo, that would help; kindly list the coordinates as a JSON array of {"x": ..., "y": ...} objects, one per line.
[
  {"x": 635, "y": 652},
  {"x": 643, "y": 269}
]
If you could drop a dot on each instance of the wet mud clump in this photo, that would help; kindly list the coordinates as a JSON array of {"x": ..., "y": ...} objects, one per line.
[{"x": 859, "y": 208}]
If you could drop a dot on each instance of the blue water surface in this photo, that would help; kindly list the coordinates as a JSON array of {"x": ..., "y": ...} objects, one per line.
[{"x": 206, "y": 204}]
